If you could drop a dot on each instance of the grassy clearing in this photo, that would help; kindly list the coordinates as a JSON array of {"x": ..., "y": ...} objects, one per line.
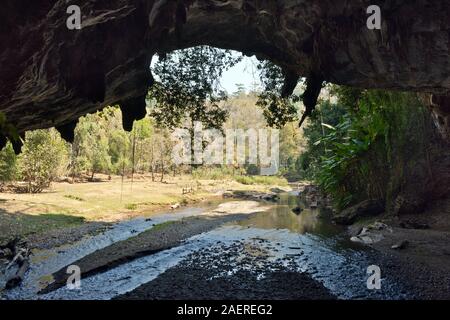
[
  {"x": 262, "y": 180},
  {"x": 69, "y": 196},
  {"x": 131, "y": 206},
  {"x": 100, "y": 201},
  {"x": 66, "y": 205},
  {"x": 21, "y": 224},
  {"x": 230, "y": 174},
  {"x": 213, "y": 173},
  {"x": 161, "y": 226}
]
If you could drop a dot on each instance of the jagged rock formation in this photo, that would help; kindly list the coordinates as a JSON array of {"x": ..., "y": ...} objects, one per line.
[
  {"x": 439, "y": 106},
  {"x": 50, "y": 75}
]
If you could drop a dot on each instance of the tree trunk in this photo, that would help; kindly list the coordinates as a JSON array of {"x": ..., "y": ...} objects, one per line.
[
  {"x": 162, "y": 169},
  {"x": 152, "y": 163},
  {"x": 133, "y": 158}
]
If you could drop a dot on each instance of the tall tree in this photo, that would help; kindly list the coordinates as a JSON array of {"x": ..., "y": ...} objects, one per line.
[
  {"x": 188, "y": 88},
  {"x": 8, "y": 164},
  {"x": 43, "y": 159}
]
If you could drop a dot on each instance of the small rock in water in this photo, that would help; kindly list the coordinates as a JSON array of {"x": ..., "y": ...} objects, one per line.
[
  {"x": 297, "y": 210},
  {"x": 378, "y": 226},
  {"x": 7, "y": 253},
  {"x": 367, "y": 238},
  {"x": 414, "y": 225},
  {"x": 227, "y": 194},
  {"x": 277, "y": 190},
  {"x": 175, "y": 206},
  {"x": 362, "y": 239},
  {"x": 401, "y": 245}
]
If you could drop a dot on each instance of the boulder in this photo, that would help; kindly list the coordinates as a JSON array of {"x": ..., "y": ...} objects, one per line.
[
  {"x": 277, "y": 190},
  {"x": 364, "y": 209},
  {"x": 252, "y": 195},
  {"x": 371, "y": 234},
  {"x": 368, "y": 238},
  {"x": 227, "y": 194},
  {"x": 175, "y": 206},
  {"x": 400, "y": 245},
  {"x": 407, "y": 205},
  {"x": 409, "y": 224}
]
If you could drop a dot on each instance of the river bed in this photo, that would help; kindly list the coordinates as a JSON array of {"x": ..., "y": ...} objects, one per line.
[{"x": 266, "y": 242}]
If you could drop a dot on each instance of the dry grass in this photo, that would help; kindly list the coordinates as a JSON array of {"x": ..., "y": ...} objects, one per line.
[{"x": 66, "y": 204}]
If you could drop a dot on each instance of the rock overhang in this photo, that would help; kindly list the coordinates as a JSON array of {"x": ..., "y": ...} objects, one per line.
[{"x": 50, "y": 75}]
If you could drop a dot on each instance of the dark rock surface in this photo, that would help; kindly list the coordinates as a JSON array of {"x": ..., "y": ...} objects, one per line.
[
  {"x": 367, "y": 208},
  {"x": 189, "y": 283},
  {"x": 251, "y": 277},
  {"x": 159, "y": 238},
  {"x": 14, "y": 263},
  {"x": 50, "y": 75}
]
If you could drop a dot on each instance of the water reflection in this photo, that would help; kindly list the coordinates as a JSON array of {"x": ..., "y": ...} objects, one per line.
[{"x": 281, "y": 216}]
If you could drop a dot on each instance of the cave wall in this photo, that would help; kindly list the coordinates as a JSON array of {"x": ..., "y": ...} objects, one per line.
[
  {"x": 439, "y": 106},
  {"x": 49, "y": 75}
]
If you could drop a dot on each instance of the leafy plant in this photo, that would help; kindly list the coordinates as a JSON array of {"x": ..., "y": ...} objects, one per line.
[
  {"x": 8, "y": 164},
  {"x": 277, "y": 110},
  {"x": 359, "y": 156},
  {"x": 42, "y": 159}
]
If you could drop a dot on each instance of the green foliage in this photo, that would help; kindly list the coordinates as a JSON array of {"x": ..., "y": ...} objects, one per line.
[
  {"x": 264, "y": 180},
  {"x": 92, "y": 144},
  {"x": 102, "y": 146},
  {"x": 278, "y": 111},
  {"x": 131, "y": 206},
  {"x": 7, "y": 129},
  {"x": 42, "y": 160},
  {"x": 119, "y": 150},
  {"x": 72, "y": 197},
  {"x": 337, "y": 165},
  {"x": 216, "y": 173},
  {"x": 8, "y": 164},
  {"x": 161, "y": 226},
  {"x": 245, "y": 114},
  {"x": 239, "y": 175},
  {"x": 27, "y": 224},
  {"x": 326, "y": 116},
  {"x": 188, "y": 87},
  {"x": 359, "y": 157}
]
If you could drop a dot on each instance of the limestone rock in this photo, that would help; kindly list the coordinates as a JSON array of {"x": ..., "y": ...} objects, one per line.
[
  {"x": 372, "y": 233},
  {"x": 400, "y": 245},
  {"x": 367, "y": 208},
  {"x": 51, "y": 75}
]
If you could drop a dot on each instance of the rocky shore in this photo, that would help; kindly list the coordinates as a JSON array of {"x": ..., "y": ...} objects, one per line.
[{"x": 256, "y": 278}]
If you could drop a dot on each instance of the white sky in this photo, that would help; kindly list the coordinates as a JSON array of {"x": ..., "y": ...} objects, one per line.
[{"x": 244, "y": 73}]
